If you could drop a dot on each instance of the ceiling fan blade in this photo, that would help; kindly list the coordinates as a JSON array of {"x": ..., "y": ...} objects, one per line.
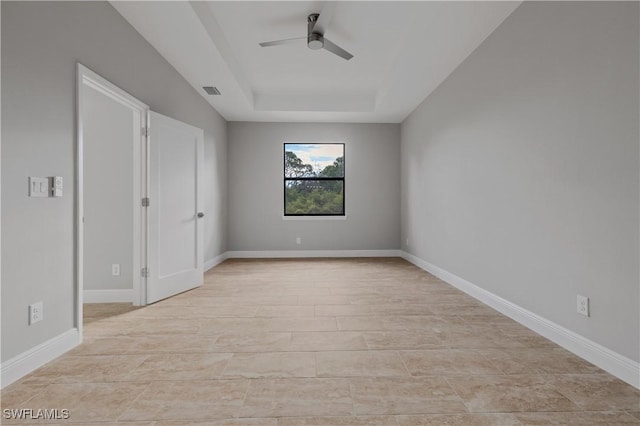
[
  {"x": 326, "y": 14},
  {"x": 334, "y": 48},
  {"x": 279, "y": 42}
]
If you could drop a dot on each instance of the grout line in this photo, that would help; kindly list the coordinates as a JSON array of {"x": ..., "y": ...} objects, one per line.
[
  {"x": 315, "y": 364},
  {"x": 117, "y": 419},
  {"x": 244, "y": 398},
  {"x": 353, "y": 404},
  {"x": 403, "y": 363},
  {"x": 226, "y": 365},
  {"x": 456, "y": 392}
]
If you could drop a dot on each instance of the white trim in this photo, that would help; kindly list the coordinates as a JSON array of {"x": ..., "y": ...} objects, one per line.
[
  {"x": 108, "y": 296},
  {"x": 265, "y": 254},
  {"x": 87, "y": 78},
  {"x": 211, "y": 263},
  {"x": 303, "y": 218},
  {"x": 620, "y": 366},
  {"x": 28, "y": 361}
]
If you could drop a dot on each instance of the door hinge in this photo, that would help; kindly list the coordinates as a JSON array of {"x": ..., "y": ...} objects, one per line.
[
  {"x": 145, "y": 131},
  {"x": 145, "y": 202},
  {"x": 144, "y": 272}
]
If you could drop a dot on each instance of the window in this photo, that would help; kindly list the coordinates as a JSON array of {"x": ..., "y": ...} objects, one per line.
[{"x": 314, "y": 179}]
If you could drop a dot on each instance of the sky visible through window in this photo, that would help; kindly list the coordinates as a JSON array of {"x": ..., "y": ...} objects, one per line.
[{"x": 319, "y": 156}]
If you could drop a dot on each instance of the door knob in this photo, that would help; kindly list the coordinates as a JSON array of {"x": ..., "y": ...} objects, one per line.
[{"x": 200, "y": 214}]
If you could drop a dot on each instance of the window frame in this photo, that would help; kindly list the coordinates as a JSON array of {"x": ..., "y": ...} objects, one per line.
[{"x": 326, "y": 178}]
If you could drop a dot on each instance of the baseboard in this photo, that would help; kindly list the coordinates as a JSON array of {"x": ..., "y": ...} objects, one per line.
[
  {"x": 28, "y": 361},
  {"x": 108, "y": 296},
  {"x": 215, "y": 261},
  {"x": 270, "y": 254},
  {"x": 618, "y": 365}
]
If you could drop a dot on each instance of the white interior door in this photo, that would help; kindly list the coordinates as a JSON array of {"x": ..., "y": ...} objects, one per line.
[{"x": 175, "y": 222}]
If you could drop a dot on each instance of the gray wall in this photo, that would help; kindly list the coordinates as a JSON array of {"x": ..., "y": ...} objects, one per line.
[
  {"x": 108, "y": 190},
  {"x": 372, "y": 180},
  {"x": 41, "y": 43},
  {"x": 520, "y": 172}
]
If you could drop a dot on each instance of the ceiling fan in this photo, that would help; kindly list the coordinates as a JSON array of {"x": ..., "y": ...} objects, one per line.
[{"x": 316, "y": 26}]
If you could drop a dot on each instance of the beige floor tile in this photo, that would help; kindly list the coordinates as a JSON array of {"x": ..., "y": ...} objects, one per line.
[
  {"x": 338, "y": 421},
  {"x": 253, "y": 325},
  {"x": 77, "y": 369},
  {"x": 369, "y": 310},
  {"x": 537, "y": 360},
  {"x": 444, "y": 309},
  {"x": 191, "y": 400},
  {"x": 155, "y": 343},
  {"x": 87, "y": 402},
  {"x": 176, "y": 311},
  {"x": 403, "y": 339},
  {"x": 343, "y": 310},
  {"x": 377, "y": 300},
  {"x": 597, "y": 392},
  {"x": 165, "y": 326},
  {"x": 297, "y": 397},
  {"x": 271, "y": 364},
  {"x": 361, "y": 290},
  {"x": 447, "y": 362},
  {"x": 301, "y": 324},
  {"x": 104, "y": 424},
  {"x": 327, "y": 341},
  {"x": 18, "y": 393},
  {"x": 253, "y": 342},
  {"x": 234, "y": 300},
  {"x": 493, "y": 419},
  {"x": 402, "y": 309},
  {"x": 323, "y": 300},
  {"x": 285, "y": 311},
  {"x": 199, "y": 366},
  {"x": 224, "y": 422},
  {"x": 462, "y": 336},
  {"x": 257, "y": 318},
  {"x": 389, "y": 323},
  {"x": 359, "y": 363},
  {"x": 138, "y": 327},
  {"x": 308, "y": 291},
  {"x": 411, "y": 395},
  {"x": 510, "y": 394},
  {"x": 577, "y": 418},
  {"x": 96, "y": 311}
]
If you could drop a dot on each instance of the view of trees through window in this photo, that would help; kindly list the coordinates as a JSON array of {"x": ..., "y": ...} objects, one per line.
[{"x": 314, "y": 179}]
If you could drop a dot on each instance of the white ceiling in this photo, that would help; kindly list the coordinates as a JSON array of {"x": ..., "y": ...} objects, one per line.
[{"x": 402, "y": 52}]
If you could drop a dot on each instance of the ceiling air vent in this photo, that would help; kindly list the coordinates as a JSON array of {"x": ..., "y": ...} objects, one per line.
[{"x": 211, "y": 90}]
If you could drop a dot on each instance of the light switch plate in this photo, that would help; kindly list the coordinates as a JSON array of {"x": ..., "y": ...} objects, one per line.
[{"x": 38, "y": 187}]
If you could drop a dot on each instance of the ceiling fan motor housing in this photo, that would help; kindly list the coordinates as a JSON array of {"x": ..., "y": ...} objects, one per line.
[{"x": 315, "y": 40}]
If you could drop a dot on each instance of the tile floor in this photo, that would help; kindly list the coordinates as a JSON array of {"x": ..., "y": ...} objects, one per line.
[{"x": 320, "y": 342}]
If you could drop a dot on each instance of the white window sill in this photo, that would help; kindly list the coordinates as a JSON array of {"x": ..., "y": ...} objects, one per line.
[{"x": 314, "y": 217}]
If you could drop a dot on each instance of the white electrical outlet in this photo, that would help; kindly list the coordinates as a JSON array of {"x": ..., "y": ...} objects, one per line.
[
  {"x": 407, "y": 242},
  {"x": 35, "y": 313},
  {"x": 298, "y": 240},
  {"x": 583, "y": 305},
  {"x": 115, "y": 269}
]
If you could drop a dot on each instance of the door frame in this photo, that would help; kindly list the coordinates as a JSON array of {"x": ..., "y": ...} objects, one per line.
[{"x": 85, "y": 79}]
